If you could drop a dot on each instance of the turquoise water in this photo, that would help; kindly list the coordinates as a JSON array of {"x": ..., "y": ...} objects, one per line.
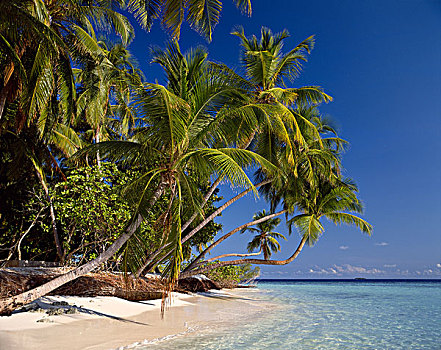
[{"x": 331, "y": 315}]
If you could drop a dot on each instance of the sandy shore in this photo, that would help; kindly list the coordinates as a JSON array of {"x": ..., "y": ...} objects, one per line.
[{"x": 111, "y": 323}]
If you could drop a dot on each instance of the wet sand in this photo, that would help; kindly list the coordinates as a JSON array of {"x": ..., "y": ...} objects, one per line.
[{"x": 111, "y": 323}]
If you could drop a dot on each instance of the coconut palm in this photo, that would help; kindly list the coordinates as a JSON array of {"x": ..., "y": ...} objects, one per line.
[
  {"x": 319, "y": 159},
  {"x": 337, "y": 202},
  {"x": 313, "y": 187},
  {"x": 267, "y": 70},
  {"x": 278, "y": 119},
  {"x": 109, "y": 74},
  {"x": 265, "y": 239}
]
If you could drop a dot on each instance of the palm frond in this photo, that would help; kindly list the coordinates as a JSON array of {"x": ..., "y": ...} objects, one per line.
[
  {"x": 145, "y": 11},
  {"x": 173, "y": 15},
  {"x": 244, "y": 6},
  {"x": 203, "y": 15},
  {"x": 349, "y": 219},
  {"x": 309, "y": 226}
]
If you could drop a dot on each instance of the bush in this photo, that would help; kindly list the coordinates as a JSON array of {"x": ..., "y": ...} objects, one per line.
[{"x": 231, "y": 276}]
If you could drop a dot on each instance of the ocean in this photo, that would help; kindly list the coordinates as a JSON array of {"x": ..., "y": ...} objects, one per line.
[{"x": 329, "y": 314}]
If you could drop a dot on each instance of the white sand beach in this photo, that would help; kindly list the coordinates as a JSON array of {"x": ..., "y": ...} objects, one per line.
[{"x": 111, "y": 323}]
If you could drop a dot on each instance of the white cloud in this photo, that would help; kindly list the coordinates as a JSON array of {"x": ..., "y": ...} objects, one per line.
[
  {"x": 438, "y": 265},
  {"x": 392, "y": 265},
  {"x": 382, "y": 244},
  {"x": 343, "y": 247},
  {"x": 430, "y": 272},
  {"x": 342, "y": 270},
  {"x": 350, "y": 269}
]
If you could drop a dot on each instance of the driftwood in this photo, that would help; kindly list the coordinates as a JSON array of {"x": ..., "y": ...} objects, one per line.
[
  {"x": 31, "y": 263},
  {"x": 14, "y": 281}
]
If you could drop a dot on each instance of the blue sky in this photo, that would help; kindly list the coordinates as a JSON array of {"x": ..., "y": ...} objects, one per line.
[{"x": 381, "y": 62}]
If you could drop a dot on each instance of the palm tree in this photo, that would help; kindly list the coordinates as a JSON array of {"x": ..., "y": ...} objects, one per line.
[
  {"x": 313, "y": 186},
  {"x": 108, "y": 75},
  {"x": 336, "y": 202},
  {"x": 265, "y": 239},
  {"x": 37, "y": 89},
  {"x": 267, "y": 69},
  {"x": 319, "y": 158},
  {"x": 278, "y": 119}
]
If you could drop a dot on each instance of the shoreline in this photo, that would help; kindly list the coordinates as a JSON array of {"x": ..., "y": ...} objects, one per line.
[{"x": 113, "y": 323}]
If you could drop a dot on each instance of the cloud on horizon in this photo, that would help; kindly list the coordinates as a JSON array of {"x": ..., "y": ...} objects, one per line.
[
  {"x": 343, "y": 247},
  {"x": 346, "y": 269},
  {"x": 382, "y": 244},
  {"x": 351, "y": 271}
]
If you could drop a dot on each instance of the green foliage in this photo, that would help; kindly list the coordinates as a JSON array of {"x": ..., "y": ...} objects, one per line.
[
  {"x": 232, "y": 275},
  {"x": 90, "y": 213},
  {"x": 90, "y": 210}
]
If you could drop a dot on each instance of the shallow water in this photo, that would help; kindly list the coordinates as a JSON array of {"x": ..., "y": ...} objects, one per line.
[{"x": 329, "y": 315}]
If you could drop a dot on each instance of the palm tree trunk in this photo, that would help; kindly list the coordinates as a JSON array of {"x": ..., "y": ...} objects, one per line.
[
  {"x": 202, "y": 224},
  {"x": 2, "y": 102},
  {"x": 97, "y": 140},
  {"x": 224, "y": 237},
  {"x": 206, "y": 198},
  {"x": 24, "y": 234},
  {"x": 248, "y": 261},
  {"x": 220, "y": 210},
  {"x": 9, "y": 304},
  {"x": 233, "y": 254}
]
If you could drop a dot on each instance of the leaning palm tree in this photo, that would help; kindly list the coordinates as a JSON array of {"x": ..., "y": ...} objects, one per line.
[
  {"x": 279, "y": 121},
  {"x": 319, "y": 159},
  {"x": 265, "y": 239},
  {"x": 336, "y": 202},
  {"x": 313, "y": 187}
]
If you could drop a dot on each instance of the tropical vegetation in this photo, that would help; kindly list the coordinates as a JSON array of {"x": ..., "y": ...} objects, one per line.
[{"x": 101, "y": 169}]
